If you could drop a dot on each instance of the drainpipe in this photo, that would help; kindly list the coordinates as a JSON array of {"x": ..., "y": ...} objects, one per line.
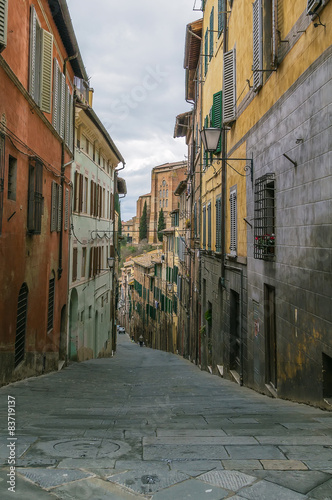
[
  {"x": 223, "y": 175},
  {"x": 239, "y": 270},
  {"x": 63, "y": 166}
]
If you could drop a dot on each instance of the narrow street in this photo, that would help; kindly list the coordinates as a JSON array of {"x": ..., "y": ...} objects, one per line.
[{"x": 148, "y": 424}]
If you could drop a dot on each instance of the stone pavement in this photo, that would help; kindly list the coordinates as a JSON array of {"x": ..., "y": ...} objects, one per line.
[{"x": 148, "y": 424}]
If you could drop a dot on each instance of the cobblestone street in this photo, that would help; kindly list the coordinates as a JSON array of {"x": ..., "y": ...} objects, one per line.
[{"x": 148, "y": 424}]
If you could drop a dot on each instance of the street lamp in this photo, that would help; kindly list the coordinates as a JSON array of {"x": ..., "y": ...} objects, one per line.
[
  {"x": 210, "y": 137},
  {"x": 110, "y": 262}
]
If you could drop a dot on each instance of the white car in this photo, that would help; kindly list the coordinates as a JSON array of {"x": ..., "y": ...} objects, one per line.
[{"x": 121, "y": 329}]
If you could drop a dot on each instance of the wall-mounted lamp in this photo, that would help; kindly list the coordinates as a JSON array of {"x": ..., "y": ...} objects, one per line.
[{"x": 110, "y": 262}]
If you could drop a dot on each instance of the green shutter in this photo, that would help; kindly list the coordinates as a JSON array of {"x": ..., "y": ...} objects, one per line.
[
  {"x": 3, "y": 23},
  {"x": 217, "y": 115},
  {"x": 46, "y": 71},
  {"x": 211, "y": 33},
  {"x": 206, "y": 49},
  {"x": 218, "y": 225}
]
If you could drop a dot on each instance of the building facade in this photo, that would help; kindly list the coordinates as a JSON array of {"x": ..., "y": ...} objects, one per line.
[
  {"x": 38, "y": 62},
  {"x": 93, "y": 242}
]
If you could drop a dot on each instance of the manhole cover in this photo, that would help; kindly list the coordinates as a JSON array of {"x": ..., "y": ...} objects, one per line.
[{"x": 84, "y": 448}]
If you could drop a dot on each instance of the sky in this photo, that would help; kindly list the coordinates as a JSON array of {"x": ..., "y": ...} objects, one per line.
[{"x": 133, "y": 52}]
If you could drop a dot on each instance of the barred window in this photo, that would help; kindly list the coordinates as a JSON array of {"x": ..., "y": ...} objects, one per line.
[
  {"x": 35, "y": 197},
  {"x": 50, "y": 311},
  {"x": 264, "y": 222}
]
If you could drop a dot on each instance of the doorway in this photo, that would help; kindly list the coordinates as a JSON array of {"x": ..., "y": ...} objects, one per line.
[
  {"x": 270, "y": 336},
  {"x": 235, "y": 338}
]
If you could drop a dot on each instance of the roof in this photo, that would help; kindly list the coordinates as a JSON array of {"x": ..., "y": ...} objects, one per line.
[
  {"x": 65, "y": 28},
  {"x": 182, "y": 124},
  {"x": 180, "y": 188},
  {"x": 191, "y": 55},
  {"x": 146, "y": 259}
]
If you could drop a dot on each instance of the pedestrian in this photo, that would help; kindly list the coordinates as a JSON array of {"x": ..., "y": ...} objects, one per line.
[{"x": 140, "y": 338}]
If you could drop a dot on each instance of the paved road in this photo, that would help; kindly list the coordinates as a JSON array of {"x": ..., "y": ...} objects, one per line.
[{"x": 148, "y": 424}]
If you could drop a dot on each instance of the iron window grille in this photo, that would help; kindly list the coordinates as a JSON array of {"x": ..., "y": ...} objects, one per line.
[
  {"x": 35, "y": 196},
  {"x": 22, "y": 306},
  {"x": 264, "y": 221}
]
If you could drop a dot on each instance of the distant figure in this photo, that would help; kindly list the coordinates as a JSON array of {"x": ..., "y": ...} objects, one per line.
[{"x": 140, "y": 338}]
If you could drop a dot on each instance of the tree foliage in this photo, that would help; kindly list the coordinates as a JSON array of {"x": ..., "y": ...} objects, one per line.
[
  {"x": 161, "y": 224},
  {"x": 143, "y": 225}
]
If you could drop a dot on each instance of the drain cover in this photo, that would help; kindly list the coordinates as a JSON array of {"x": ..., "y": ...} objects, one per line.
[{"x": 84, "y": 448}]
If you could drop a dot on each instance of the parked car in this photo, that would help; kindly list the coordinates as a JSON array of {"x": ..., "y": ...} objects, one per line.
[{"x": 121, "y": 329}]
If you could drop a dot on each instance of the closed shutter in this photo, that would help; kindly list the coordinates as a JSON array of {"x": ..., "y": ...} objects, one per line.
[
  {"x": 3, "y": 23},
  {"x": 74, "y": 272},
  {"x": 54, "y": 208},
  {"x": 217, "y": 115},
  {"x": 2, "y": 175},
  {"x": 59, "y": 209},
  {"x": 275, "y": 37},
  {"x": 204, "y": 227},
  {"x": 70, "y": 138},
  {"x": 218, "y": 225},
  {"x": 46, "y": 71},
  {"x": 233, "y": 221},
  {"x": 33, "y": 46},
  {"x": 221, "y": 9},
  {"x": 209, "y": 225},
  {"x": 56, "y": 96},
  {"x": 229, "y": 87},
  {"x": 62, "y": 105},
  {"x": 211, "y": 33},
  {"x": 206, "y": 49},
  {"x": 66, "y": 225},
  {"x": 257, "y": 10},
  {"x": 195, "y": 220}
]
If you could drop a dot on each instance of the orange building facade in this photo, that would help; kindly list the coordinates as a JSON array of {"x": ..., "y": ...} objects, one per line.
[{"x": 38, "y": 63}]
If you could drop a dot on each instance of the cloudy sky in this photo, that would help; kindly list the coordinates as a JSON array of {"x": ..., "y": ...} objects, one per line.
[{"x": 133, "y": 52}]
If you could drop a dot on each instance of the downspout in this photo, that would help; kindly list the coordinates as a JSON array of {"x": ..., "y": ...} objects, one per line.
[
  {"x": 239, "y": 270},
  {"x": 63, "y": 167},
  {"x": 223, "y": 175}
]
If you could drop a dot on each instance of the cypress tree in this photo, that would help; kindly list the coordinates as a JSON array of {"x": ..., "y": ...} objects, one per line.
[
  {"x": 143, "y": 225},
  {"x": 161, "y": 224}
]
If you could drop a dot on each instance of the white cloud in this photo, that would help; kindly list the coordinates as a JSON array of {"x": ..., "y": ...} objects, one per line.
[{"x": 133, "y": 52}]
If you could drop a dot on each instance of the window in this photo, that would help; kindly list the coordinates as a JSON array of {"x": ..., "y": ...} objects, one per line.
[
  {"x": 78, "y": 192},
  {"x": 85, "y": 195},
  {"x": 74, "y": 267},
  {"x": 2, "y": 175},
  {"x": 56, "y": 214},
  {"x": 233, "y": 219},
  {"x": 211, "y": 33},
  {"x": 206, "y": 51},
  {"x": 40, "y": 69},
  {"x": 67, "y": 202},
  {"x": 12, "y": 172},
  {"x": 204, "y": 227},
  {"x": 314, "y": 6},
  {"x": 21, "y": 324},
  {"x": 3, "y": 23},
  {"x": 83, "y": 262},
  {"x": 209, "y": 225},
  {"x": 229, "y": 86},
  {"x": 50, "y": 309},
  {"x": 218, "y": 225},
  {"x": 35, "y": 197},
  {"x": 257, "y": 10},
  {"x": 221, "y": 9},
  {"x": 217, "y": 115},
  {"x": 264, "y": 221}
]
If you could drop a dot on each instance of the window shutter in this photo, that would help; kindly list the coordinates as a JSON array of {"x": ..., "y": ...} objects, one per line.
[
  {"x": 275, "y": 38},
  {"x": 229, "y": 87},
  {"x": 2, "y": 175},
  {"x": 221, "y": 9},
  {"x": 56, "y": 96},
  {"x": 59, "y": 209},
  {"x": 211, "y": 33},
  {"x": 33, "y": 45},
  {"x": 204, "y": 227},
  {"x": 209, "y": 225},
  {"x": 206, "y": 49},
  {"x": 46, "y": 71},
  {"x": 218, "y": 225},
  {"x": 217, "y": 115},
  {"x": 67, "y": 114},
  {"x": 70, "y": 138},
  {"x": 66, "y": 209},
  {"x": 233, "y": 210},
  {"x": 257, "y": 11},
  {"x": 62, "y": 105},
  {"x": 3, "y": 23},
  {"x": 54, "y": 208}
]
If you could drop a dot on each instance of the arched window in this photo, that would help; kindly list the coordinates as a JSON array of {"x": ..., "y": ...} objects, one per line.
[
  {"x": 50, "y": 310},
  {"x": 21, "y": 324}
]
